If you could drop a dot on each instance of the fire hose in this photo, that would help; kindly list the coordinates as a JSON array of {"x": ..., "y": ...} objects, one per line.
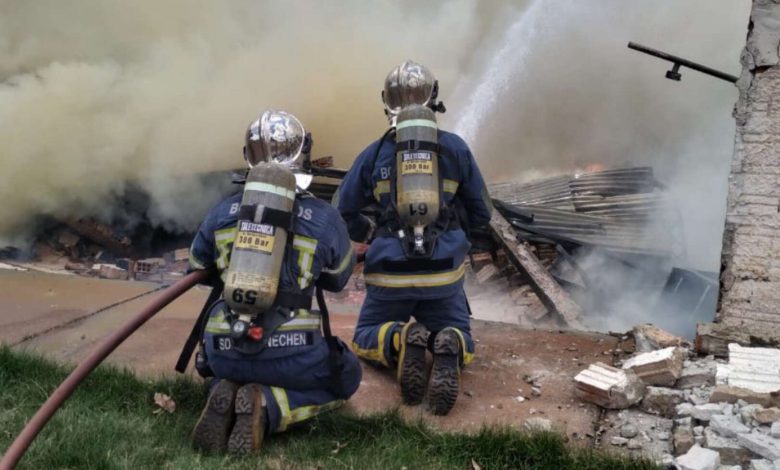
[{"x": 68, "y": 386}]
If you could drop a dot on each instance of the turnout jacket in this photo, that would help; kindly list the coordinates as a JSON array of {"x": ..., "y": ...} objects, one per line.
[{"x": 368, "y": 182}]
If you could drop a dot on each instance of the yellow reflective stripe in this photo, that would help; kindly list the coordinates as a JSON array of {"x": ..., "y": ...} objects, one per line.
[
  {"x": 284, "y": 407},
  {"x": 416, "y": 280},
  {"x": 382, "y": 187},
  {"x": 343, "y": 265},
  {"x": 302, "y": 413},
  {"x": 450, "y": 186},
  {"x": 223, "y": 239},
  {"x": 467, "y": 356},
  {"x": 306, "y": 248},
  {"x": 301, "y": 324},
  {"x": 270, "y": 188},
  {"x": 195, "y": 263},
  {"x": 377, "y": 354},
  {"x": 416, "y": 122}
]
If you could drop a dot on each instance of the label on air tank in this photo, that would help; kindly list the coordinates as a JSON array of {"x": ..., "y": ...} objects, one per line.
[
  {"x": 416, "y": 163},
  {"x": 255, "y": 237}
]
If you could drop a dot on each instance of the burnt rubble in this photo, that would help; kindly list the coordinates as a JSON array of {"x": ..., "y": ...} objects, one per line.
[{"x": 710, "y": 412}]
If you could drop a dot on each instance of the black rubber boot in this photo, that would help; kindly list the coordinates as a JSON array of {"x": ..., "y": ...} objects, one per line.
[
  {"x": 213, "y": 427},
  {"x": 445, "y": 375},
  {"x": 412, "y": 373},
  {"x": 249, "y": 430}
]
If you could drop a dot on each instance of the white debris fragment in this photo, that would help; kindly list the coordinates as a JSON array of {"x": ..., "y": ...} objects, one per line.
[
  {"x": 753, "y": 369},
  {"x": 609, "y": 387},
  {"x": 698, "y": 458},
  {"x": 661, "y": 367}
]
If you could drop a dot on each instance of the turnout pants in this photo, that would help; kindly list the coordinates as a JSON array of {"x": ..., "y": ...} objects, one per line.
[
  {"x": 295, "y": 368},
  {"x": 379, "y": 324}
]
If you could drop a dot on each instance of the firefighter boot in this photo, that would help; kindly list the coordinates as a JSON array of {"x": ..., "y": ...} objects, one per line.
[
  {"x": 445, "y": 374},
  {"x": 249, "y": 430},
  {"x": 412, "y": 372},
  {"x": 213, "y": 427}
]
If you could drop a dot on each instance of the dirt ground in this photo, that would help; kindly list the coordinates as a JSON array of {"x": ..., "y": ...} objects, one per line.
[{"x": 40, "y": 312}]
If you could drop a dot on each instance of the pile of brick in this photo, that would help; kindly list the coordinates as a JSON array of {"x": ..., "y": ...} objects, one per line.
[{"x": 688, "y": 411}]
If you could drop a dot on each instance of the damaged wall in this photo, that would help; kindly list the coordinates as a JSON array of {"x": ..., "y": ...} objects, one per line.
[{"x": 750, "y": 288}]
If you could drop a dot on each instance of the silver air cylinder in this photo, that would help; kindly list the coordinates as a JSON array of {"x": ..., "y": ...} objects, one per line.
[
  {"x": 258, "y": 250},
  {"x": 417, "y": 170}
]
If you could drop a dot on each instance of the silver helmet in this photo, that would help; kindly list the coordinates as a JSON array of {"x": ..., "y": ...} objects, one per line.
[
  {"x": 276, "y": 136},
  {"x": 409, "y": 83}
]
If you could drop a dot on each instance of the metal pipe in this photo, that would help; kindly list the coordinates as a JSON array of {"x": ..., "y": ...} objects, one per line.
[
  {"x": 677, "y": 61},
  {"x": 68, "y": 386}
]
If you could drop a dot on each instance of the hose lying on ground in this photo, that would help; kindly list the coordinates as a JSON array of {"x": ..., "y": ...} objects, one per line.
[{"x": 66, "y": 388}]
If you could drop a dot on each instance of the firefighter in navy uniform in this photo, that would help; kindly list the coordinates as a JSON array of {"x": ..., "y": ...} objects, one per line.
[
  {"x": 272, "y": 365},
  {"x": 428, "y": 189}
]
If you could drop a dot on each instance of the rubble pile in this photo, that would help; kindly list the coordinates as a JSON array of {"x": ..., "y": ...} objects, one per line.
[{"x": 688, "y": 411}]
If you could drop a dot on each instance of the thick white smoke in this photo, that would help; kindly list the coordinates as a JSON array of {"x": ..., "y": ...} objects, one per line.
[{"x": 98, "y": 92}]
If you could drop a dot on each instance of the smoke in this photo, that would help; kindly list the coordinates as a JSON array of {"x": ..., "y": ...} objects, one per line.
[{"x": 96, "y": 95}]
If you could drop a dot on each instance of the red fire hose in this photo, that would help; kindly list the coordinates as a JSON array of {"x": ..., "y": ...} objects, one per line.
[{"x": 66, "y": 388}]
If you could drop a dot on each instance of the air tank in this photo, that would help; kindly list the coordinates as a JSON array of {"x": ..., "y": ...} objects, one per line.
[
  {"x": 417, "y": 170},
  {"x": 258, "y": 250}
]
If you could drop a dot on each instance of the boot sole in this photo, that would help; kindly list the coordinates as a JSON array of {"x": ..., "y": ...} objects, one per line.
[
  {"x": 249, "y": 429},
  {"x": 445, "y": 375},
  {"x": 411, "y": 370},
  {"x": 213, "y": 427}
]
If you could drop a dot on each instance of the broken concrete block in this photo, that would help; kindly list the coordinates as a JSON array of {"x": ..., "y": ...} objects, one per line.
[
  {"x": 730, "y": 467},
  {"x": 729, "y": 394},
  {"x": 662, "y": 401},
  {"x": 682, "y": 439},
  {"x": 727, "y": 426},
  {"x": 182, "y": 254},
  {"x": 731, "y": 453},
  {"x": 661, "y": 367},
  {"x": 746, "y": 412},
  {"x": 608, "y": 386},
  {"x": 763, "y": 445},
  {"x": 754, "y": 369},
  {"x": 761, "y": 464},
  {"x": 714, "y": 338},
  {"x": 649, "y": 337},
  {"x": 618, "y": 441},
  {"x": 775, "y": 430},
  {"x": 698, "y": 458},
  {"x": 697, "y": 374},
  {"x": 767, "y": 415},
  {"x": 705, "y": 412}
]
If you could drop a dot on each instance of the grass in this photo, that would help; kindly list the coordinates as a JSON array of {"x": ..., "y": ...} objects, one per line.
[{"x": 110, "y": 423}]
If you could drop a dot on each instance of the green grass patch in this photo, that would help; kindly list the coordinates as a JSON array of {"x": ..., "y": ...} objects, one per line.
[{"x": 109, "y": 423}]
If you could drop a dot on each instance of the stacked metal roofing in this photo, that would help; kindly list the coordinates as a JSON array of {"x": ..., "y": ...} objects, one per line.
[{"x": 618, "y": 210}]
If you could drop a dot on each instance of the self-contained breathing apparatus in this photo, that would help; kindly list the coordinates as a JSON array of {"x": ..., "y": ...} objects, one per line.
[
  {"x": 417, "y": 213},
  {"x": 255, "y": 306}
]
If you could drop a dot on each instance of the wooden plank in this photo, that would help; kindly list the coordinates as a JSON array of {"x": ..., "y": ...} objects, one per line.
[{"x": 544, "y": 285}]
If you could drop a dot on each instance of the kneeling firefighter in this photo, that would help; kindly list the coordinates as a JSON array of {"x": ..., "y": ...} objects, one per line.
[
  {"x": 429, "y": 191},
  {"x": 273, "y": 245}
]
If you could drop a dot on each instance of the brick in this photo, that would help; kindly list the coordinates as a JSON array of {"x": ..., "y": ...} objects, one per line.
[
  {"x": 698, "y": 458},
  {"x": 649, "y": 337},
  {"x": 728, "y": 394},
  {"x": 682, "y": 439},
  {"x": 767, "y": 415},
  {"x": 608, "y": 386},
  {"x": 753, "y": 369},
  {"x": 661, "y": 367}
]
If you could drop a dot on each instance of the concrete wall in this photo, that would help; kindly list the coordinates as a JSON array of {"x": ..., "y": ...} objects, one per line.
[{"x": 750, "y": 289}]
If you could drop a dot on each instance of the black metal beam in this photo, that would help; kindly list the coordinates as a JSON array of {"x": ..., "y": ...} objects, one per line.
[{"x": 677, "y": 62}]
